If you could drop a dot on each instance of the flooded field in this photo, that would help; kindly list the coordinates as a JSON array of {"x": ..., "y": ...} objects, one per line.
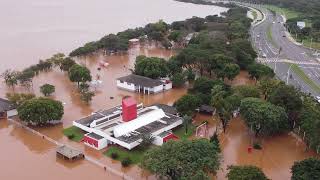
[{"x": 35, "y": 29}]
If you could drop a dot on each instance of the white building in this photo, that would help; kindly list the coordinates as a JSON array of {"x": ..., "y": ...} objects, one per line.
[
  {"x": 7, "y": 109},
  {"x": 136, "y": 83},
  {"x": 125, "y": 125}
]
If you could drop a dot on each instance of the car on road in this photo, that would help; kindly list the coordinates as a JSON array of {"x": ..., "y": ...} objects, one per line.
[
  {"x": 284, "y": 35},
  {"x": 273, "y": 22},
  {"x": 260, "y": 49},
  {"x": 264, "y": 55},
  {"x": 258, "y": 36}
]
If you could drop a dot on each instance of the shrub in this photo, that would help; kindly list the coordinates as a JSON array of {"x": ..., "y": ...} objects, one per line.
[
  {"x": 257, "y": 146},
  {"x": 114, "y": 155},
  {"x": 126, "y": 162}
]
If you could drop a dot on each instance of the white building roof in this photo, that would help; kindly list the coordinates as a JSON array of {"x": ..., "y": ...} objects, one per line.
[{"x": 142, "y": 120}]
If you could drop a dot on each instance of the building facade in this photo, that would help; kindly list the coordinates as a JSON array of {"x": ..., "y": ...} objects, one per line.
[
  {"x": 141, "y": 84},
  {"x": 126, "y": 125}
]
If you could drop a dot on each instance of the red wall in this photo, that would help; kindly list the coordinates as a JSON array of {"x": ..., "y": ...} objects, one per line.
[
  {"x": 170, "y": 136},
  {"x": 129, "y": 109},
  {"x": 90, "y": 141}
]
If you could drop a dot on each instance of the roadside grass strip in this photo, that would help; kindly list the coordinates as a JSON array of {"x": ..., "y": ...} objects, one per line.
[
  {"x": 299, "y": 72},
  {"x": 269, "y": 36},
  {"x": 254, "y": 14},
  {"x": 73, "y": 133},
  {"x": 289, "y": 14}
]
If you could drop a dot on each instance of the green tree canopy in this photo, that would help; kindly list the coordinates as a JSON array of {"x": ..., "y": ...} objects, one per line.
[
  {"x": 306, "y": 169},
  {"x": 40, "y": 111},
  {"x": 151, "y": 67},
  {"x": 288, "y": 98},
  {"x": 187, "y": 104},
  {"x": 183, "y": 159},
  {"x": 47, "y": 89},
  {"x": 204, "y": 85},
  {"x": 247, "y": 91},
  {"x": 245, "y": 173},
  {"x": 178, "y": 80},
  {"x": 263, "y": 117},
  {"x": 259, "y": 70},
  {"x": 78, "y": 73}
]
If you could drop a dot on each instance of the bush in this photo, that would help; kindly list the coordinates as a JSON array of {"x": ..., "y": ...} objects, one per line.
[
  {"x": 70, "y": 136},
  {"x": 126, "y": 162},
  {"x": 114, "y": 155},
  {"x": 257, "y": 146}
]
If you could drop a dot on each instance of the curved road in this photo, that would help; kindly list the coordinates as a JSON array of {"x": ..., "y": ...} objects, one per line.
[{"x": 274, "y": 45}]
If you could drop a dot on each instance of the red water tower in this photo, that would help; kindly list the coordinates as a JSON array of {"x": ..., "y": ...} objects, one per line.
[{"x": 129, "y": 109}]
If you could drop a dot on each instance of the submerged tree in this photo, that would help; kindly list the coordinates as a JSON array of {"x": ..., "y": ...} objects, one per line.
[
  {"x": 263, "y": 117},
  {"x": 245, "y": 173},
  {"x": 78, "y": 73},
  {"x": 40, "y": 111},
  {"x": 10, "y": 78},
  {"x": 306, "y": 169},
  {"x": 183, "y": 159},
  {"x": 47, "y": 89}
]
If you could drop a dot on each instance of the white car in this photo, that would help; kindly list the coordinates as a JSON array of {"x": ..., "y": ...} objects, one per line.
[
  {"x": 264, "y": 55},
  {"x": 318, "y": 97}
]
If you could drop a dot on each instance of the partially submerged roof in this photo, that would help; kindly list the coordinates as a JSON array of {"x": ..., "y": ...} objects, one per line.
[
  {"x": 141, "y": 80},
  {"x": 68, "y": 152},
  {"x": 6, "y": 105}
]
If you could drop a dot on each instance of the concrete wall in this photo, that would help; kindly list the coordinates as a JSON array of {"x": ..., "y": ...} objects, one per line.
[{"x": 125, "y": 85}]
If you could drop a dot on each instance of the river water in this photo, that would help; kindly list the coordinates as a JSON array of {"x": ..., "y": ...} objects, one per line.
[{"x": 36, "y": 29}]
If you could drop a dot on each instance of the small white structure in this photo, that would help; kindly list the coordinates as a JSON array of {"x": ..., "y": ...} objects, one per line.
[
  {"x": 136, "y": 83},
  {"x": 7, "y": 109},
  {"x": 126, "y": 125},
  {"x": 301, "y": 24}
]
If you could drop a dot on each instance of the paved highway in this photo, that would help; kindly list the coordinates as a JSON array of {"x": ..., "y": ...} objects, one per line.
[{"x": 276, "y": 48}]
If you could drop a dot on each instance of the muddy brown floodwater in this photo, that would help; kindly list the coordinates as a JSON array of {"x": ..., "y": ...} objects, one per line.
[
  {"x": 40, "y": 153},
  {"x": 58, "y": 27}
]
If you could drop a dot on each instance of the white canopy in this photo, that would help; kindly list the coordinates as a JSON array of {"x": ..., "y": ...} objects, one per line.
[{"x": 140, "y": 121}]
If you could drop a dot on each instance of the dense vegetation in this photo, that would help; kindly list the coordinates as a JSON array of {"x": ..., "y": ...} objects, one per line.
[
  {"x": 40, "y": 111},
  {"x": 183, "y": 159},
  {"x": 245, "y": 173},
  {"x": 306, "y": 169}
]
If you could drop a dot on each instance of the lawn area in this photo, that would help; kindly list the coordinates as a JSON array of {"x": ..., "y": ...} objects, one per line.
[
  {"x": 181, "y": 131},
  {"x": 305, "y": 78},
  {"x": 284, "y": 11},
  {"x": 73, "y": 133},
  {"x": 135, "y": 154}
]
